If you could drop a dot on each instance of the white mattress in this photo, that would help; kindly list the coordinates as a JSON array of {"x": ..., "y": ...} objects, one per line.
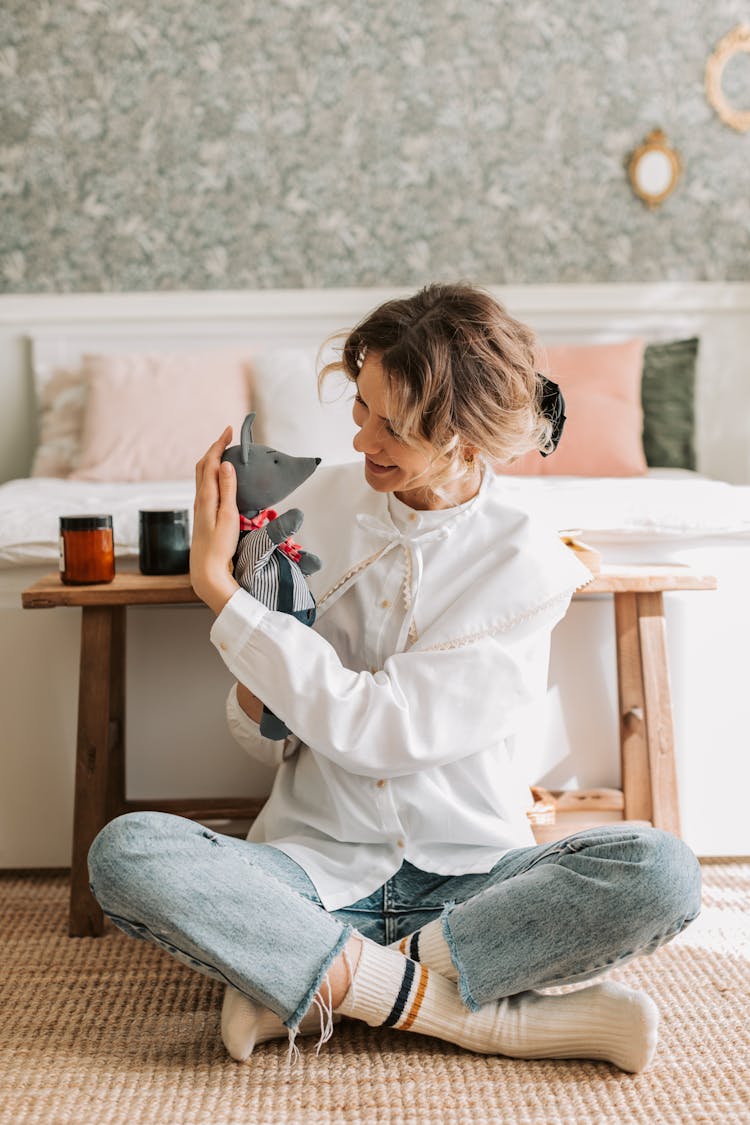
[{"x": 664, "y": 505}]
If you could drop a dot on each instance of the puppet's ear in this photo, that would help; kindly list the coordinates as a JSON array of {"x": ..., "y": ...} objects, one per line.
[{"x": 246, "y": 438}]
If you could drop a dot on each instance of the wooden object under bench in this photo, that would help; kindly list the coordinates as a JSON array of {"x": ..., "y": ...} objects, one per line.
[{"x": 649, "y": 778}]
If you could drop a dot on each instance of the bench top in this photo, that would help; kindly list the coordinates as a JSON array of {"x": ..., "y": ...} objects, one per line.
[{"x": 133, "y": 588}]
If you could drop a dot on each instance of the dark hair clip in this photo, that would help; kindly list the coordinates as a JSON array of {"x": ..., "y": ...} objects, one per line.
[{"x": 553, "y": 408}]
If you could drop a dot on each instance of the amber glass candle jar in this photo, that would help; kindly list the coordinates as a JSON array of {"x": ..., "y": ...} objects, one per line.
[{"x": 87, "y": 550}]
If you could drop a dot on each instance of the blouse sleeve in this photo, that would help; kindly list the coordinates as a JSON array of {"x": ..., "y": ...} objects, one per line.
[{"x": 423, "y": 709}]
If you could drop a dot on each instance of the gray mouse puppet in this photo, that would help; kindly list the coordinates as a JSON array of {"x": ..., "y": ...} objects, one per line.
[{"x": 267, "y": 562}]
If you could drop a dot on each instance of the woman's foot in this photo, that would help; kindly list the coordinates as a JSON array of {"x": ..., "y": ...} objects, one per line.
[
  {"x": 603, "y": 1021},
  {"x": 245, "y": 1024}
]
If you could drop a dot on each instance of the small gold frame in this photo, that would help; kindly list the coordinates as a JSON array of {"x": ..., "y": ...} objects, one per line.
[
  {"x": 735, "y": 42},
  {"x": 645, "y": 161}
]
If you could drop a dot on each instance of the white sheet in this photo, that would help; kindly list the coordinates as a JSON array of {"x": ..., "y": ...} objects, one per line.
[
  {"x": 664, "y": 505},
  {"x": 30, "y": 510}
]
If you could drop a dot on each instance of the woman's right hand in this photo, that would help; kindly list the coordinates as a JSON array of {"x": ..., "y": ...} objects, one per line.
[
  {"x": 216, "y": 527},
  {"x": 250, "y": 704}
]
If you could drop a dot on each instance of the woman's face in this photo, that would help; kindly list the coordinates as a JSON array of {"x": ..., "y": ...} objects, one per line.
[{"x": 390, "y": 465}]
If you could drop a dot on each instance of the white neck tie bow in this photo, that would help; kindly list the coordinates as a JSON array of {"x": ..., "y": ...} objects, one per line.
[{"x": 413, "y": 559}]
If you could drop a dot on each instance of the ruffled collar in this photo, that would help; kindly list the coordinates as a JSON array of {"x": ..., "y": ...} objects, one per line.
[{"x": 501, "y": 567}]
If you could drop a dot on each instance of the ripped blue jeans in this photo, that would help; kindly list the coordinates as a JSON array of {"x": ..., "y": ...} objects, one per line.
[{"x": 248, "y": 915}]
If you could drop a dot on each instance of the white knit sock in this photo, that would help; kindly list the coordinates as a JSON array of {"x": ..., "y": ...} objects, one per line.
[
  {"x": 429, "y": 947},
  {"x": 245, "y": 1024},
  {"x": 604, "y": 1021}
]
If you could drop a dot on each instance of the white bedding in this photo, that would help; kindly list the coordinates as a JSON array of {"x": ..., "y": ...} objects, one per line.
[
  {"x": 664, "y": 504},
  {"x": 30, "y": 510}
]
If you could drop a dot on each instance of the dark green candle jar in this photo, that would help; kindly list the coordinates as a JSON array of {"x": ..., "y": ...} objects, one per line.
[{"x": 164, "y": 542}]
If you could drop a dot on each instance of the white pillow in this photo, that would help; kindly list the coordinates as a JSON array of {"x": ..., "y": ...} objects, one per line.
[
  {"x": 291, "y": 417},
  {"x": 61, "y": 403}
]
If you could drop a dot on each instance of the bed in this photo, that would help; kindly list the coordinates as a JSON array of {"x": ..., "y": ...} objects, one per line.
[{"x": 178, "y": 744}]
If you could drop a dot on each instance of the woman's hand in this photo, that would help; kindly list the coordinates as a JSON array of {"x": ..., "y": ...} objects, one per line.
[
  {"x": 216, "y": 527},
  {"x": 249, "y": 703}
]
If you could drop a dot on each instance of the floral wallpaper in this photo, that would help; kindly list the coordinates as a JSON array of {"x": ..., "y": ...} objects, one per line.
[{"x": 198, "y": 144}]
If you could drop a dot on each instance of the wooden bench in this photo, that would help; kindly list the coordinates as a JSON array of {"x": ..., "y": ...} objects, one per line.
[{"x": 649, "y": 779}]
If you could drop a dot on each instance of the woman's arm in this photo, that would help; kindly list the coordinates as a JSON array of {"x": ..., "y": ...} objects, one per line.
[
  {"x": 249, "y": 703},
  {"x": 215, "y": 534},
  {"x": 423, "y": 709}
]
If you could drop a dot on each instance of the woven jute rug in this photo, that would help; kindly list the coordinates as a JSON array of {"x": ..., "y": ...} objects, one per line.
[{"x": 112, "y": 1030}]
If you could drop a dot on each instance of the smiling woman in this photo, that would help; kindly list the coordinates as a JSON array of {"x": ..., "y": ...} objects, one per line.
[{"x": 436, "y": 600}]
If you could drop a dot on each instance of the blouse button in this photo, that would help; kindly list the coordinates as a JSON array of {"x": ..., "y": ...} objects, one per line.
[
  {"x": 373, "y": 669},
  {"x": 400, "y": 844},
  {"x": 412, "y": 516},
  {"x": 385, "y": 603},
  {"x": 381, "y": 783}
]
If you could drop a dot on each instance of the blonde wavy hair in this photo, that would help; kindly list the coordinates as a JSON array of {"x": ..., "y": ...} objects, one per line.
[{"x": 460, "y": 373}]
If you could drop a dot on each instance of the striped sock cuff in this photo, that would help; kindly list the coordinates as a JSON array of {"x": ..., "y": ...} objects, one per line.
[
  {"x": 410, "y": 996},
  {"x": 428, "y": 945},
  {"x": 409, "y": 946}
]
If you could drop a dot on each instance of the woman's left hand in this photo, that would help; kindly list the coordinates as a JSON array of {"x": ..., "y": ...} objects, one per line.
[{"x": 216, "y": 527}]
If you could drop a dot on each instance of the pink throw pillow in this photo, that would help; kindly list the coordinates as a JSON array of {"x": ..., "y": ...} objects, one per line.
[
  {"x": 151, "y": 416},
  {"x": 601, "y": 384}
]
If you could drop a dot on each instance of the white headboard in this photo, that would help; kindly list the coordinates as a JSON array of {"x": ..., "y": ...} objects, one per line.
[{"x": 51, "y": 330}]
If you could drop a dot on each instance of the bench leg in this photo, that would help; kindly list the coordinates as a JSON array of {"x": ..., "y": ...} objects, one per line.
[
  {"x": 116, "y": 760},
  {"x": 634, "y": 759},
  {"x": 659, "y": 722},
  {"x": 100, "y": 737}
]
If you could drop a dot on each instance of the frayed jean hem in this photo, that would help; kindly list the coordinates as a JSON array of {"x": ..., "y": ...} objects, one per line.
[
  {"x": 294, "y": 1020},
  {"x": 463, "y": 988}
]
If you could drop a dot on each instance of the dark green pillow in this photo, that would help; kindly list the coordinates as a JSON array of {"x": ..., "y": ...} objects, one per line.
[{"x": 668, "y": 400}]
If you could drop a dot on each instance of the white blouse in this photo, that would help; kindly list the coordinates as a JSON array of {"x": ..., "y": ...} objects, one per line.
[{"x": 403, "y": 749}]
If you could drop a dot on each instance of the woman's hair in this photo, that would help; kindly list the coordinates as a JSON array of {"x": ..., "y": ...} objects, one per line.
[{"x": 459, "y": 372}]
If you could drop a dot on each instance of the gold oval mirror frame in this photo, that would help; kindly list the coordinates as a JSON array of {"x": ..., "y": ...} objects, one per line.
[
  {"x": 654, "y": 169},
  {"x": 735, "y": 42}
]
